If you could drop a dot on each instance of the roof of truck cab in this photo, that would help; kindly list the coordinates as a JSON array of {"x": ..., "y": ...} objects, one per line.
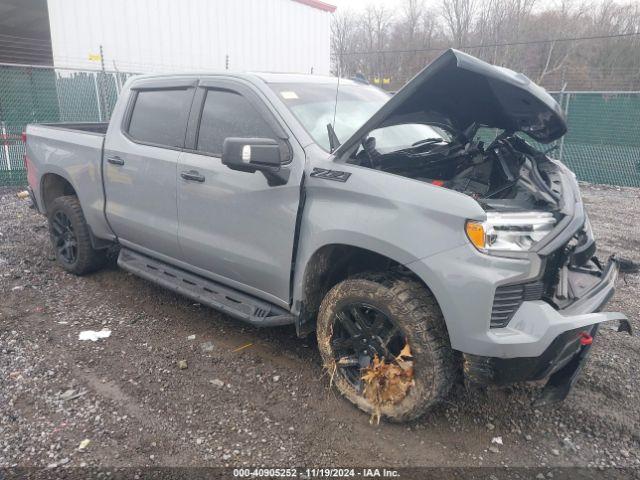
[
  {"x": 302, "y": 78},
  {"x": 267, "y": 77}
]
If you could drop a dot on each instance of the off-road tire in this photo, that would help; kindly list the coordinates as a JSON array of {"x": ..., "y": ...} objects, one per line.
[
  {"x": 416, "y": 312},
  {"x": 87, "y": 259}
]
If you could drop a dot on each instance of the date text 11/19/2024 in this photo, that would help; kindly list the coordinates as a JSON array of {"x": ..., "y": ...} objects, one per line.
[{"x": 315, "y": 473}]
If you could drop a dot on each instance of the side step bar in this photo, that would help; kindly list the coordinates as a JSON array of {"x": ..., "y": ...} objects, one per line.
[{"x": 207, "y": 292}]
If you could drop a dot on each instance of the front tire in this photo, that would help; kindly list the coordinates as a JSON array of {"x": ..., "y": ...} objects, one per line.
[
  {"x": 70, "y": 237},
  {"x": 401, "y": 304}
]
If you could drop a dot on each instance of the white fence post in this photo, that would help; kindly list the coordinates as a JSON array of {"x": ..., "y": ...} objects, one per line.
[{"x": 95, "y": 84}]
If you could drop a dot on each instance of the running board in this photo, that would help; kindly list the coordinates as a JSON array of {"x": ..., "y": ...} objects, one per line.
[{"x": 207, "y": 292}]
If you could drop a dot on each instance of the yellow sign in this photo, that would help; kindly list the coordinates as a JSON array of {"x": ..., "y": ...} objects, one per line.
[
  {"x": 386, "y": 81},
  {"x": 95, "y": 57}
]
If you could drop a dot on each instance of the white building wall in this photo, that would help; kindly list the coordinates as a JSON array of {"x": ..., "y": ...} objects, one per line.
[{"x": 190, "y": 35}]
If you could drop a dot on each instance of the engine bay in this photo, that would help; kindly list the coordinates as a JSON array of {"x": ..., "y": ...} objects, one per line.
[{"x": 507, "y": 174}]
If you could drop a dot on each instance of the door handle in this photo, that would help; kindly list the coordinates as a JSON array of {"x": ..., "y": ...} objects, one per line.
[
  {"x": 192, "y": 175},
  {"x": 115, "y": 160}
]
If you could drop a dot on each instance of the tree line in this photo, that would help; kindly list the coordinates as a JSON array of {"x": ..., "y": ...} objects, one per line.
[{"x": 570, "y": 44}]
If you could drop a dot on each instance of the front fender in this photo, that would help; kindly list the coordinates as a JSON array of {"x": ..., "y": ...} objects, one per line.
[{"x": 399, "y": 218}]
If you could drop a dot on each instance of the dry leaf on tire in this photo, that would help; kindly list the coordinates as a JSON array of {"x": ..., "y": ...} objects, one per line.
[{"x": 388, "y": 383}]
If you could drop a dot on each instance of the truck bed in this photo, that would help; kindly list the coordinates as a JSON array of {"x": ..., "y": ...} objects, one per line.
[
  {"x": 72, "y": 151},
  {"x": 86, "y": 127}
]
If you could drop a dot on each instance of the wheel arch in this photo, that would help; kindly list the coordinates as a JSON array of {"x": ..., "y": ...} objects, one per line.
[
  {"x": 333, "y": 263},
  {"x": 52, "y": 186}
]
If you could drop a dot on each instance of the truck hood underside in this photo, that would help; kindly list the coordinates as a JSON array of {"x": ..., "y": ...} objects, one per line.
[{"x": 457, "y": 90}]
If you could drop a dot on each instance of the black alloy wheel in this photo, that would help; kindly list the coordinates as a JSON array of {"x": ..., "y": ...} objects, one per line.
[
  {"x": 65, "y": 240},
  {"x": 360, "y": 333},
  {"x": 71, "y": 237},
  {"x": 377, "y": 314}
]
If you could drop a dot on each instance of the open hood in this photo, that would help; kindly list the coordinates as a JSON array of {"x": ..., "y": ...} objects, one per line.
[{"x": 458, "y": 90}]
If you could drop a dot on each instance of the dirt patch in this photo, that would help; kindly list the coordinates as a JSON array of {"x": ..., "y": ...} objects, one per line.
[{"x": 268, "y": 403}]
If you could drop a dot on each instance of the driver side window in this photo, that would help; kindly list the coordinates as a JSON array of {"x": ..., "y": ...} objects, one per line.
[{"x": 228, "y": 114}]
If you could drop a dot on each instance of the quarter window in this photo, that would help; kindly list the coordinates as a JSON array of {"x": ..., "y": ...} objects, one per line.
[
  {"x": 228, "y": 114},
  {"x": 159, "y": 117}
]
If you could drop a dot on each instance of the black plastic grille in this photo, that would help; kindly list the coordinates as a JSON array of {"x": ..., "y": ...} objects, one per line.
[{"x": 508, "y": 299}]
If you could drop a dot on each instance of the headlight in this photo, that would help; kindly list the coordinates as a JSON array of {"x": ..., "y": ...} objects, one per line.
[{"x": 509, "y": 231}]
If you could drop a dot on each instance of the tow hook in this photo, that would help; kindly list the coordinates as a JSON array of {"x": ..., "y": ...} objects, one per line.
[{"x": 585, "y": 338}]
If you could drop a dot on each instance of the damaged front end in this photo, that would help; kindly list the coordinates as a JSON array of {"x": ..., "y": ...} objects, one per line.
[
  {"x": 429, "y": 131},
  {"x": 588, "y": 289}
]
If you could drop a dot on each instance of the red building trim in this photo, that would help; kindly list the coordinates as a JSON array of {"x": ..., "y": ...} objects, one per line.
[{"x": 318, "y": 4}]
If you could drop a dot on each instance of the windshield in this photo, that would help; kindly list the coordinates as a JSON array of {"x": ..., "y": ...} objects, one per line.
[{"x": 313, "y": 105}]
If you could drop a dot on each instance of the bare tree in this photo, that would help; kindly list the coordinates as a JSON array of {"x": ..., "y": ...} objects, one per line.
[
  {"x": 505, "y": 32},
  {"x": 374, "y": 25},
  {"x": 414, "y": 33},
  {"x": 343, "y": 40},
  {"x": 458, "y": 16}
]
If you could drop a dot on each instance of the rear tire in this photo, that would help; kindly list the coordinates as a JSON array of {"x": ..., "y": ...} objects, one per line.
[
  {"x": 71, "y": 239},
  {"x": 410, "y": 307}
]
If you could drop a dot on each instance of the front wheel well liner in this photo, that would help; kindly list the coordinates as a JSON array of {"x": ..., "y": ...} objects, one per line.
[{"x": 332, "y": 264}]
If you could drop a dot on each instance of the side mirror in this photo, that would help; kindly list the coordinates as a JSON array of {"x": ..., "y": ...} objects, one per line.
[{"x": 255, "y": 155}]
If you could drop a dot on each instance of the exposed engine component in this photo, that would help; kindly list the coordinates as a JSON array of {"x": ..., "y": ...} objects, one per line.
[{"x": 504, "y": 175}]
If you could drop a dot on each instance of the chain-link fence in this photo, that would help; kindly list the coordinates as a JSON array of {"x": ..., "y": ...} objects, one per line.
[
  {"x": 36, "y": 94},
  {"x": 603, "y": 142},
  {"x": 602, "y": 146}
]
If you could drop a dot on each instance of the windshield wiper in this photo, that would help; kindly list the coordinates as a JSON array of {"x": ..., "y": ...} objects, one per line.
[
  {"x": 426, "y": 141},
  {"x": 333, "y": 138}
]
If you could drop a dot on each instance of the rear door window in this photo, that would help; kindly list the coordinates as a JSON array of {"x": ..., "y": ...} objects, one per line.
[
  {"x": 159, "y": 117},
  {"x": 228, "y": 114}
]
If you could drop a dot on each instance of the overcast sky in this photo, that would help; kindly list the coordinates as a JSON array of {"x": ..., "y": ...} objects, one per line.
[
  {"x": 354, "y": 4},
  {"x": 392, "y": 4}
]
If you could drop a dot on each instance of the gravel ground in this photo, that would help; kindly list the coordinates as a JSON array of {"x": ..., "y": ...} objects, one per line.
[{"x": 269, "y": 402}]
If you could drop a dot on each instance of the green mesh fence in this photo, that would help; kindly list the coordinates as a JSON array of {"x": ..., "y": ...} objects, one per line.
[
  {"x": 36, "y": 95},
  {"x": 602, "y": 146},
  {"x": 603, "y": 143}
]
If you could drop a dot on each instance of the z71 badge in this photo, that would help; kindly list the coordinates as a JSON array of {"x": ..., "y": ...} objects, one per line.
[{"x": 335, "y": 175}]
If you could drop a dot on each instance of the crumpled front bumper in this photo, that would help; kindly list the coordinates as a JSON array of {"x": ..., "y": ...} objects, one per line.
[
  {"x": 464, "y": 282},
  {"x": 567, "y": 351},
  {"x": 538, "y": 324}
]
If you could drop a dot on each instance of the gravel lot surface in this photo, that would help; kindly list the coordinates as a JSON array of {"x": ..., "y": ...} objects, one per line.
[{"x": 268, "y": 403}]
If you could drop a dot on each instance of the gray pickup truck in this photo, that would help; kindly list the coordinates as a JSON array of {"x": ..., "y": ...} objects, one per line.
[{"x": 419, "y": 235}]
